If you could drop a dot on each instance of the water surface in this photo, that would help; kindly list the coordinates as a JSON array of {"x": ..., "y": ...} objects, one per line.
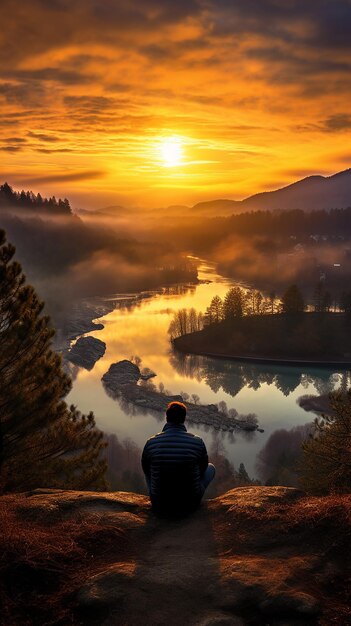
[{"x": 268, "y": 391}]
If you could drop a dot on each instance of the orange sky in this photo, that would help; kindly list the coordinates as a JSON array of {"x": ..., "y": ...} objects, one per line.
[{"x": 257, "y": 94}]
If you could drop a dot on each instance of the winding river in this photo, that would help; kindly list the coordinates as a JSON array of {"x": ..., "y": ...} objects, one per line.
[{"x": 140, "y": 328}]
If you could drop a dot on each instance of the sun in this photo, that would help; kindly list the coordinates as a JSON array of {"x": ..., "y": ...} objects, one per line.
[{"x": 171, "y": 151}]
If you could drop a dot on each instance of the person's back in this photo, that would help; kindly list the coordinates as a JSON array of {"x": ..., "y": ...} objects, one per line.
[{"x": 175, "y": 464}]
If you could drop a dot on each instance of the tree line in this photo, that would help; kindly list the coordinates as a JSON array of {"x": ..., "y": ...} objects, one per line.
[
  {"x": 239, "y": 302},
  {"x": 29, "y": 200},
  {"x": 331, "y": 223}
]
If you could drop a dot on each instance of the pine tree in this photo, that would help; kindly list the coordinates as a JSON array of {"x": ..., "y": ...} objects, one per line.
[
  {"x": 292, "y": 300},
  {"x": 43, "y": 442},
  {"x": 243, "y": 475},
  {"x": 233, "y": 303},
  {"x": 326, "y": 464},
  {"x": 216, "y": 308}
]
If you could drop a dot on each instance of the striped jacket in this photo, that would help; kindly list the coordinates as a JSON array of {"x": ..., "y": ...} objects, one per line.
[{"x": 174, "y": 462}]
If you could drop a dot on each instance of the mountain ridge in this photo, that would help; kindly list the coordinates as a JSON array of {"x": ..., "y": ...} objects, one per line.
[
  {"x": 309, "y": 193},
  {"x": 315, "y": 192}
]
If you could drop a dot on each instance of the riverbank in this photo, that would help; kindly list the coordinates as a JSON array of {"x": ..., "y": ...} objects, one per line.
[
  {"x": 307, "y": 339},
  {"x": 80, "y": 317}
]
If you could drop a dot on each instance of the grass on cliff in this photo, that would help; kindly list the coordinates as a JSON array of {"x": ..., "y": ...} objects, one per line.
[
  {"x": 46, "y": 558},
  {"x": 43, "y": 562}
]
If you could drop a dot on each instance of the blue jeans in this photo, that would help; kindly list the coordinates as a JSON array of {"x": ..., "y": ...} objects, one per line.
[{"x": 208, "y": 476}]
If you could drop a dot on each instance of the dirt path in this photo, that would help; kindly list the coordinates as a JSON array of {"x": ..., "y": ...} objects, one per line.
[{"x": 177, "y": 578}]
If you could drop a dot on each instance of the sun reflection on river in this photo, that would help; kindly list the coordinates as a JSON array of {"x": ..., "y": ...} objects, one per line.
[{"x": 141, "y": 330}]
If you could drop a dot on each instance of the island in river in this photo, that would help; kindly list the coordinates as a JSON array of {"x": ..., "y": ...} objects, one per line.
[
  {"x": 302, "y": 338},
  {"x": 122, "y": 382}
]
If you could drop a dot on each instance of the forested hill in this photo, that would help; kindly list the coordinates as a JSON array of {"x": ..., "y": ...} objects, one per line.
[{"x": 27, "y": 200}]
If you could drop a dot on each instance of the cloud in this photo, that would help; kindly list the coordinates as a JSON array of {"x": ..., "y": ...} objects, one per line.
[
  {"x": 102, "y": 81},
  {"x": 43, "y": 137},
  {"x": 11, "y": 148},
  {"x": 53, "y": 151},
  {"x": 65, "y": 177},
  {"x": 90, "y": 104},
  {"x": 338, "y": 122},
  {"x": 16, "y": 139},
  {"x": 84, "y": 21},
  {"x": 317, "y": 24},
  {"x": 52, "y": 74},
  {"x": 26, "y": 94}
]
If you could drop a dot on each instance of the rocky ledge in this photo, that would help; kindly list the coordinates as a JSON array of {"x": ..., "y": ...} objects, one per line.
[
  {"x": 253, "y": 556},
  {"x": 86, "y": 351},
  {"x": 121, "y": 381}
]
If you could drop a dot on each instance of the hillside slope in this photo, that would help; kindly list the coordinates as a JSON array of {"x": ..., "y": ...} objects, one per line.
[
  {"x": 311, "y": 193},
  {"x": 253, "y": 556}
]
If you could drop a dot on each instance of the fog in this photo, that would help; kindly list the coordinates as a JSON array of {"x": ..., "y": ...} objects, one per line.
[
  {"x": 277, "y": 462},
  {"x": 66, "y": 258}
]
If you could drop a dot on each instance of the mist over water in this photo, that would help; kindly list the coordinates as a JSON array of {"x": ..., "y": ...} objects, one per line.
[{"x": 141, "y": 329}]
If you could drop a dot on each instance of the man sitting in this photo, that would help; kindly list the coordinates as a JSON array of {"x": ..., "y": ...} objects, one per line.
[{"x": 176, "y": 467}]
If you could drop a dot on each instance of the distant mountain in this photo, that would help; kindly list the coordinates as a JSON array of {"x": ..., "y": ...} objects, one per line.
[
  {"x": 109, "y": 211},
  {"x": 309, "y": 194}
]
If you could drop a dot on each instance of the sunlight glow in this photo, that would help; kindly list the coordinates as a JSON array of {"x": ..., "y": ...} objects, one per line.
[{"x": 171, "y": 151}]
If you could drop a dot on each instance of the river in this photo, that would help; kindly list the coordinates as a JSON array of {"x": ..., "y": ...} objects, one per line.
[{"x": 271, "y": 392}]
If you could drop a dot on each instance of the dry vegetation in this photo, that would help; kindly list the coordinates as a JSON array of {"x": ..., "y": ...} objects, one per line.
[
  {"x": 44, "y": 561},
  {"x": 48, "y": 553}
]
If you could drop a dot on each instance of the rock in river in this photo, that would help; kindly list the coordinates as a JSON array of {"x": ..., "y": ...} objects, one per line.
[{"x": 86, "y": 351}]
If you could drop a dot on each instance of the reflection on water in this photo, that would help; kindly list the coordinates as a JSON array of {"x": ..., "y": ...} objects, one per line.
[
  {"x": 138, "y": 326},
  {"x": 233, "y": 376}
]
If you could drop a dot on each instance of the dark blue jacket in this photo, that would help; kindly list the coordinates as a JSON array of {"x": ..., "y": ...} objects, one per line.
[{"x": 174, "y": 462}]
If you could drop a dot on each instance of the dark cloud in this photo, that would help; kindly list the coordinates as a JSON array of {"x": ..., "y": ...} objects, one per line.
[
  {"x": 339, "y": 122},
  {"x": 91, "y": 104},
  {"x": 53, "y": 74},
  {"x": 296, "y": 39},
  {"x": 172, "y": 50},
  {"x": 326, "y": 24},
  {"x": 43, "y": 137},
  {"x": 11, "y": 148},
  {"x": 12, "y": 140},
  {"x": 66, "y": 177},
  {"x": 70, "y": 22},
  {"x": 295, "y": 36},
  {"x": 136, "y": 14},
  {"x": 57, "y": 150},
  {"x": 24, "y": 94},
  {"x": 288, "y": 58},
  {"x": 119, "y": 87}
]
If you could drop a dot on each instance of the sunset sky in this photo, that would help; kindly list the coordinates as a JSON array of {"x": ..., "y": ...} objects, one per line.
[{"x": 159, "y": 102}]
